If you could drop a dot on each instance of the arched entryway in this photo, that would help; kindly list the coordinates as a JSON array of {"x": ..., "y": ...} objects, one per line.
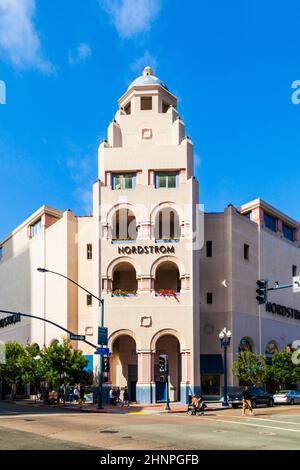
[
  {"x": 167, "y": 277},
  {"x": 124, "y": 364},
  {"x": 124, "y": 278},
  {"x": 168, "y": 345}
]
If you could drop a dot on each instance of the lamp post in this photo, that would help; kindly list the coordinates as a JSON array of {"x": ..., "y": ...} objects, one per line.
[
  {"x": 101, "y": 303},
  {"x": 225, "y": 337}
]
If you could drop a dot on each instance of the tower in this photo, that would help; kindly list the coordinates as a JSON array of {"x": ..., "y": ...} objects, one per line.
[{"x": 146, "y": 202}]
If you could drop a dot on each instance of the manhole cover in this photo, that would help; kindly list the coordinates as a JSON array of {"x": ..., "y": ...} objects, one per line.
[
  {"x": 29, "y": 419},
  {"x": 108, "y": 432}
]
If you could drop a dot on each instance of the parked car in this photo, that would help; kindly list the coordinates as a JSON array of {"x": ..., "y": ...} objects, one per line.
[
  {"x": 289, "y": 397},
  {"x": 258, "y": 397}
]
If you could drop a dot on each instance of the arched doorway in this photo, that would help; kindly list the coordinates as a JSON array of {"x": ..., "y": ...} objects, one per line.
[
  {"x": 124, "y": 364},
  {"x": 168, "y": 345},
  {"x": 167, "y": 277},
  {"x": 124, "y": 279}
]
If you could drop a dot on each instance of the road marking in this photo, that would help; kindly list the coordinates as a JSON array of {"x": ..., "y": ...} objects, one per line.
[
  {"x": 19, "y": 415},
  {"x": 254, "y": 425},
  {"x": 258, "y": 418}
]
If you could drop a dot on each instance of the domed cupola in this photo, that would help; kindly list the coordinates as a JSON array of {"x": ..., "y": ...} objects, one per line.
[{"x": 147, "y": 79}]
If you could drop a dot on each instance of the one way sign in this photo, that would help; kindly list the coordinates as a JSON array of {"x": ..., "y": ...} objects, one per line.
[{"x": 296, "y": 284}]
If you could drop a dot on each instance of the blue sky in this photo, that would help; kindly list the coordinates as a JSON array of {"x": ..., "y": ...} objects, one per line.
[{"x": 65, "y": 63}]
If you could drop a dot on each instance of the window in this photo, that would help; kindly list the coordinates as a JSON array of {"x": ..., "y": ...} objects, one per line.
[
  {"x": 270, "y": 222},
  {"x": 1, "y": 253},
  {"x": 146, "y": 103},
  {"x": 165, "y": 107},
  {"x": 127, "y": 108},
  {"x": 294, "y": 269},
  {"x": 288, "y": 232},
  {"x": 123, "y": 181},
  {"x": 35, "y": 228},
  {"x": 89, "y": 299},
  {"x": 209, "y": 249},
  {"x": 124, "y": 225},
  {"x": 167, "y": 179},
  {"x": 89, "y": 251},
  {"x": 246, "y": 251},
  {"x": 209, "y": 298},
  {"x": 167, "y": 225}
]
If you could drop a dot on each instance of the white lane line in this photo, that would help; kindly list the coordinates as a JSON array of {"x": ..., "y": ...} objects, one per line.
[
  {"x": 252, "y": 424},
  {"x": 258, "y": 418}
]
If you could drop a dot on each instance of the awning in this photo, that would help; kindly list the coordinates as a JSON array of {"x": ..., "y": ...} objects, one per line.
[{"x": 211, "y": 364}]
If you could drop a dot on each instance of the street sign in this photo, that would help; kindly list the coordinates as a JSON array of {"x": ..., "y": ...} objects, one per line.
[
  {"x": 77, "y": 337},
  {"x": 102, "y": 335},
  {"x": 103, "y": 351},
  {"x": 296, "y": 284}
]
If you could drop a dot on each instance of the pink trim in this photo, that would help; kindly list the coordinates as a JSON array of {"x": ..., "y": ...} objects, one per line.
[{"x": 145, "y": 367}]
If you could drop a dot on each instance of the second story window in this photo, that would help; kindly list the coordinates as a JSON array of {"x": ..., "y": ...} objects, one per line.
[
  {"x": 246, "y": 251},
  {"x": 123, "y": 181},
  {"x": 294, "y": 270},
  {"x": 288, "y": 232},
  {"x": 89, "y": 299},
  {"x": 270, "y": 222},
  {"x": 209, "y": 249},
  {"x": 167, "y": 179},
  {"x": 89, "y": 251},
  {"x": 35, "y": 228}
]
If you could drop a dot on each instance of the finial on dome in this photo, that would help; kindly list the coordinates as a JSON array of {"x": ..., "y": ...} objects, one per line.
[{"x": 148, "y": 71}]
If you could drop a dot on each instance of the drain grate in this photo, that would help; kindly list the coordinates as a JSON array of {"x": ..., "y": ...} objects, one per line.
[{"x": 29, "y": 419}]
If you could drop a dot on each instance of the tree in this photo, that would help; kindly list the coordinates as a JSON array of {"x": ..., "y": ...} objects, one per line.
[
  {"x": 250, "y": 368},
  {"x": 11, "y": 371},
  {"x": 283, "y": 371},
  {"x": 31, "y": 372},
  {"x": 60, "y": 364}
]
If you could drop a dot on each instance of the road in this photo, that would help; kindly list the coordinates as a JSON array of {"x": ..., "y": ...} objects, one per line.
[{"x": 44, "y": 428}]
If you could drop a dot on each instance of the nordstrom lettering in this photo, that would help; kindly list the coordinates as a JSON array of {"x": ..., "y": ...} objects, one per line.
[
  {"x": 146, "y": 250},
  {"x": 283, "y": 311},
  {"x": 11, "y": 320}
]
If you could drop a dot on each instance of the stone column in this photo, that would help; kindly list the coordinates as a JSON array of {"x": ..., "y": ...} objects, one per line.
[
  {"x": 185, "y": 384},
  {"x": 145, "y": 387}
]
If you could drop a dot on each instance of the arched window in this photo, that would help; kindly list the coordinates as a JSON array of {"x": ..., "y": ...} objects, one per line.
[
  {"x": 167, "y": 277},
  {"x": 124, "y": 279},
  {"x": 245, "y": 345},
  {"x": 123, "y": 225},
  {"x": 167, "y": 224}
]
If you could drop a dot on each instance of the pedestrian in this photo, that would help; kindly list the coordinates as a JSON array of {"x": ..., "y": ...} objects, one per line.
[
  {"x": 76, "y": 393},
  {"x": 81, "y": 396},
  {"x": 118, "y": 393},
  {"x": 111, "y": 396},
  {"x": 194, "y": 404},
  {"x": 125, "y": 397},
  {"x": 114, "y": 393},
  {"x": 247, "y": 405}
]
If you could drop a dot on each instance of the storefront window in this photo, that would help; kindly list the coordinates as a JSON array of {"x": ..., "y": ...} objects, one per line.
[{"x": 210, "y": 384}]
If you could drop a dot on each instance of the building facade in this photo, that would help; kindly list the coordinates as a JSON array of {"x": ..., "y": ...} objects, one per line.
[{"x": 140, "y": 253}]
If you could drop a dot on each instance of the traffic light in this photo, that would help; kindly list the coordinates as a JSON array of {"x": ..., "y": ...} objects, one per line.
[
  {"x": 105, "y": 363},
  {"x": 262, "y": 291},
  {"x": 163, "y": 363}
]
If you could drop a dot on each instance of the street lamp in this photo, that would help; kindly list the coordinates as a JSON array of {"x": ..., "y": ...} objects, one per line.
[
  {"x": 225, "y": 337},
  {"x": 101, "y": 303}
]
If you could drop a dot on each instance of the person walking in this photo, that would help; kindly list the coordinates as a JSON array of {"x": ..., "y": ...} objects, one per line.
[
  {"x": 118, "y": 393},
  {"x": 125, "y": 397},
  {"x": 111, "y": 396},
  {"x": 247, "y": 405},
  {"x": 81, "y": 396}
]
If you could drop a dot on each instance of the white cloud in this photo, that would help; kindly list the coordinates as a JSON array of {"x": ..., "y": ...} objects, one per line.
[
  {"x": 83, "y": 52},
  {"x": 131, "y": 17},
  {"x": 19, "y": 41},
  {"x": 139, "y": 64}
]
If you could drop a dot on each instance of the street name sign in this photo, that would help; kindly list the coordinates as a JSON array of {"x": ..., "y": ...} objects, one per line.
[
  {"x": 103, "y": 351},
  {"x": 102, "y": 335},
  {"x": 77, "y": 337}
]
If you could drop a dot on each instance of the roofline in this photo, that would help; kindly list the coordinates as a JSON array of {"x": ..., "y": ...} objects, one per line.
[
  {"x": 39, "y": 212},
  {"x": 269, "y": 208}
]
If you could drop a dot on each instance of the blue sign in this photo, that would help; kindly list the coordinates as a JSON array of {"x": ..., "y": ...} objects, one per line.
[
  {"x": 103, "y": 351},
  {"x": 102, "y": 335}
]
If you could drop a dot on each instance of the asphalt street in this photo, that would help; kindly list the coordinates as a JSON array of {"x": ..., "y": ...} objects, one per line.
[{"x": 28, "y": 427}]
